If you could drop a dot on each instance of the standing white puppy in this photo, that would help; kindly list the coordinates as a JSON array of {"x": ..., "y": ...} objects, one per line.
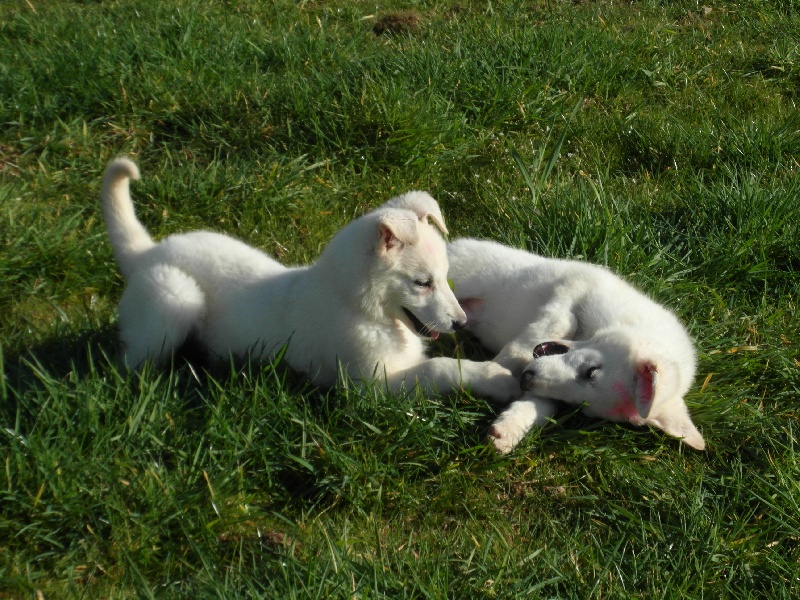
[
  {"x": 574, "y": 332},
  {"x": 365, "y": 307}
]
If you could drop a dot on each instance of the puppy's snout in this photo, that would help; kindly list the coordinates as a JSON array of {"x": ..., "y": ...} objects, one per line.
[
  {"x": 527, "y": 380},
  {"x": 458, "y": 325}
]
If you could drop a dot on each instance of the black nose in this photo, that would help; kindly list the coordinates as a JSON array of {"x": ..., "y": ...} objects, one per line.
[
  {"x": 459, "y": 325},
  {"x": 527, "y": 380}
]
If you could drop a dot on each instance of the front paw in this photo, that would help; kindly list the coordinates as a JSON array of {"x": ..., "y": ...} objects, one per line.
[
  {"x": 505, "y": 434},
  {"x": 517, "y": 420},
  {"x": 498, "y": 384},
  {"x": 501, "y": 444}
]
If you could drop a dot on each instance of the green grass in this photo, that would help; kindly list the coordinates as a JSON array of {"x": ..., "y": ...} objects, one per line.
[{"x": 659, "y": 138}]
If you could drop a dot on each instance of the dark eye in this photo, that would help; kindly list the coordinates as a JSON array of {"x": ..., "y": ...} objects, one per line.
[
  {"x": 591, "y": 373},
  {"x": 424, "y": 283}
]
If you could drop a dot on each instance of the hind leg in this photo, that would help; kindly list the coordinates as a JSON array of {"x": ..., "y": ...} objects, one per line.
[{"x": 159, "y": 308}]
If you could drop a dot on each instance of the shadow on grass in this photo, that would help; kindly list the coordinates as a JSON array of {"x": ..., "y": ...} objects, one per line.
[
  {"x": 62, "y": 356},
  {"x": 89, "y": 352},
  {"x": 318, "y": 443}
]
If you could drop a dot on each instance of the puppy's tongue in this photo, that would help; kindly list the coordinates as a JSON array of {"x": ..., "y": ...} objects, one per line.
[{"x": 434, "y": 334}]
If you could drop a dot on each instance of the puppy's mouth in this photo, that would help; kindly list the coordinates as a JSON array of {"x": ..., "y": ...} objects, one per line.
[
  {"x": 419, "y": 327},
  {"x": 549, "y": 349}
]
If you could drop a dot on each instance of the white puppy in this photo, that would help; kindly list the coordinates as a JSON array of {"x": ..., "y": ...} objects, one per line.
[
  {"x": 378, "y": 289},
  {"x": 577, "y": 333}
]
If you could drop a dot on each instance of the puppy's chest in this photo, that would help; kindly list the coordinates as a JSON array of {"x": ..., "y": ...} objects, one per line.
[{"x": 395, "y": 348}]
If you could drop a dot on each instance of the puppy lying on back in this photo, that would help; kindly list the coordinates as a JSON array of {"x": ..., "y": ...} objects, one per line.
[
  {"x": 366, "y": 307},
  {"x": 577, "y": 333}
]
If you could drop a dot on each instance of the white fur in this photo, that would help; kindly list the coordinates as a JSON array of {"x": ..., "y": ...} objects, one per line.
[
  {"x": 612, "y": 349},
  {"x": 343, "y": 312}
]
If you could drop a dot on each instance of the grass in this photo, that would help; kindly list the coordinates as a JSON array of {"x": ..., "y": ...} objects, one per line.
[{"x": 660, "y": 139}]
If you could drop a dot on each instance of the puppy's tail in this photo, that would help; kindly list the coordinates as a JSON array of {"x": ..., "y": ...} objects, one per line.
[{"x": 128, "y": 236}]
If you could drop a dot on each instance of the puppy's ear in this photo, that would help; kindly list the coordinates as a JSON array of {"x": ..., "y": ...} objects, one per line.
[
  {"x": 678, "y": 423},
  {"x": 471, "y": 306},
  {"x": 646, "y": 382},
  {"x": 422, "y": 204},
  {"x": 395, "y": 229}
]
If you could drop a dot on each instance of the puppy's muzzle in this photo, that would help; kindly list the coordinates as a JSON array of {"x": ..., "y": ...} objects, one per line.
[{"x": 527, "y": 380}]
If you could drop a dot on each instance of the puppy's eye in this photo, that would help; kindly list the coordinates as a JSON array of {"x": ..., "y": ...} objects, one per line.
[
  {"x": 424, "y": 283},
  {"x": 591, "y": 373}
]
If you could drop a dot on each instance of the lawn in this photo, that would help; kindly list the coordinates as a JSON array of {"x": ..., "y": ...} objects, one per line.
[{"x": 661, "y": 139}]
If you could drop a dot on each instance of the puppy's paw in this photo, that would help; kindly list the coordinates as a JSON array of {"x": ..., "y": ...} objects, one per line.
[
  {"x": 498, "y": 384},
  {"x": 503, "y": 438},
  {"x": 514, "y": 422}
]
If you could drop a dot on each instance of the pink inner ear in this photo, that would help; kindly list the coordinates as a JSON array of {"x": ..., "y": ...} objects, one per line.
[
  {"x": 471, "y": 306},
  {"x": 626, "y": 406},
  {"x": 646, "y": 377},
  {"x": 387, "y": 237}
]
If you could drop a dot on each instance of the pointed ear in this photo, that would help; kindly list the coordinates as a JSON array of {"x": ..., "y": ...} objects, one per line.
[
  {"x": 422, "y": 204},
  {"x": 471, "y": 306},
  {"x": 680, "y": 425},
  {"x": 646, "y": 381},
  {"x": 395, "y": 229}
]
